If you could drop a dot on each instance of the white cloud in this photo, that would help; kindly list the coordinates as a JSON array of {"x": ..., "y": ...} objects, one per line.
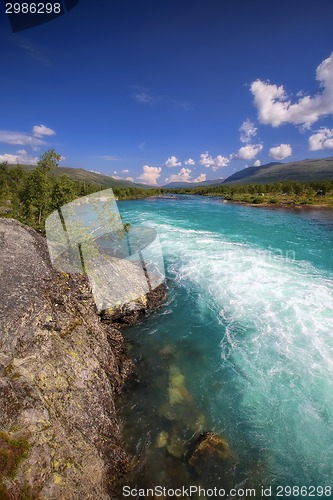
[
  {"x": 215, "y": 163},
  {"x": 20, "y": 139},
  {"x": 125, "y": 171},
  {"x": 257, "y": 163},
  {"x": 172, "y": 161},
  {"x": 182, "y": 176},
  {"x": 200, "y": 178},
  {"x": 21, "y": 156},
  {"x": 206, "y": 160},
  {"x": 249, "y": 151},
  {"x": 280, "y": 152},
  {"x": 322, "y": 139},
  {"x": 35, "y": 140},
  {"x": 189, "y": 162},
  {"x": 247, "y": 130},
  {"x": 41, "y": 130},
  {"x": 129, "y": 179},
  {"x": 275, "y": 108},
  {"x": 150, "y": 175}
]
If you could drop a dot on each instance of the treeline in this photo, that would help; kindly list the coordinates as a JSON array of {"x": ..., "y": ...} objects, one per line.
[
  {"x": 133, "y": 193},
  {"x": 30, "y": 196},
  {"x": 318, "y": 188}
]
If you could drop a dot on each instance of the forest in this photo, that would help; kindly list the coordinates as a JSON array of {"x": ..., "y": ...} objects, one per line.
[
  {"x": 277, "y": 193},
  {"x": 30, "y": 196}
]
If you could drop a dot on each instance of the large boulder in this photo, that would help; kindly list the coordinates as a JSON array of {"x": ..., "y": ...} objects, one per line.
[
  {"x": 212, "y": 459},
  {"x": 60, "y": 370}
]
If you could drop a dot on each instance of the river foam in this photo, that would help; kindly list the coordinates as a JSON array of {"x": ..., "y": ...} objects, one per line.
[{"x": 266, "y": 322}]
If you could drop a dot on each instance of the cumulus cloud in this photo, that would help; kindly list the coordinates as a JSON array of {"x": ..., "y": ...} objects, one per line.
[
  {"x": 200, "y": 178},
  {"x": 189, "y": 162},
  {"x": 322, "y": 139},
  {"x": 41, "y": 130},
  {"x": 129, "y": 179},
  {"x": 248, "y": 131},
  {"x": 214, "y": 163},
  {"x": 275, "y": 108},
  {"x": 172, "y": 161},
  {"x": 21, "y": 156},
  {"x": 249, "y": 151},
  {"x": 150, "y": 175},
  {"x": 257, "y": 163},
  {"x": 125, "y": 171},
  {"x": 182, "y": 176},
  {"x": 280, "y": 152}
]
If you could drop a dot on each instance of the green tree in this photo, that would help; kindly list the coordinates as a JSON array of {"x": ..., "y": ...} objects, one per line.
[
  {"x": 37, "y": 195},
  {"x": 64, "y": 190}
]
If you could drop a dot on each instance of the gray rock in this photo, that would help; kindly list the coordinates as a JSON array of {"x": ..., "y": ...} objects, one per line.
[{"x": 60, "y": 370}]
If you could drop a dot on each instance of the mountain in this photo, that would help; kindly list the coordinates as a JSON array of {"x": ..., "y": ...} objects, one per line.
[
  {"x": 80, "y": 174},
  {"x": 301, "y": 171}
]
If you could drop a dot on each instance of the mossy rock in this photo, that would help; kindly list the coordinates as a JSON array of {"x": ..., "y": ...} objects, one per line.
[
  {"x": 12, "y": 452},
  {"x": 210, "y": 452}
]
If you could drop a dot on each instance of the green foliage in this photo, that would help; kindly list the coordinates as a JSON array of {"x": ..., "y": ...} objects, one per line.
[
  {"x": 30, "y": 195},
  {"x": 303, "y": 193}
]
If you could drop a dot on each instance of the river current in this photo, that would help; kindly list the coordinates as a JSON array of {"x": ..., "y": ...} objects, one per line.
[{"x": 249, "y": 320}]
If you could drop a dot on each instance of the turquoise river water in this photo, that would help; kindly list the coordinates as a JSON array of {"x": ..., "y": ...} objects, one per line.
[{"x": 249, "y": 318}]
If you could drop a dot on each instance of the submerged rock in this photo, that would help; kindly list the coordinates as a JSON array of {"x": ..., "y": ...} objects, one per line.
[
  {"x": 176, "y": 446},
  {"x": 210, "y": 452},
  {"x": 177, "y": 391},
  {"x": 162, "y": 439},
  {"x": 167, "y": 351},
  {"x": 60, "y": 370}
]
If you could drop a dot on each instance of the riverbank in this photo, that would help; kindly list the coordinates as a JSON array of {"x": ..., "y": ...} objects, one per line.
[
  {"x": 300, "y": 205},
  {"x": 62, "y": 368}
]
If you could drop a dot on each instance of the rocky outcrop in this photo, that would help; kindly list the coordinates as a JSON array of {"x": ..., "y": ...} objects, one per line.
[
  {"x": 60, "y": 370},
  {"x": 135, "y": 310}
]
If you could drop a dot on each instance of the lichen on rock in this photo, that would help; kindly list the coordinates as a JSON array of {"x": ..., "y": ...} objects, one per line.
[{"x": 61, "y": 368}]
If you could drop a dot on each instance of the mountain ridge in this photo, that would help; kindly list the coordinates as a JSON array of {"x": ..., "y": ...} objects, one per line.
[
  {"x": 301, "y": 171},
  {"x": 84, "y": 175}
]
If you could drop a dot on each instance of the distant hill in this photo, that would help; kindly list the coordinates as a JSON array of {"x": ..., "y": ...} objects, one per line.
[
  {"x": 305, "y": 170},
  {"x": 80, "y": 174},
  {"x": 180, "y": 185}
]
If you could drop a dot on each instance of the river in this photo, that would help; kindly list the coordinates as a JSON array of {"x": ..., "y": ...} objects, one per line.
[{"x": 249, "y": 324}]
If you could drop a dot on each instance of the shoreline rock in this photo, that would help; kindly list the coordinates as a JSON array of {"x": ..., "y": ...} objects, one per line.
[{"x": 61, "y": 368}]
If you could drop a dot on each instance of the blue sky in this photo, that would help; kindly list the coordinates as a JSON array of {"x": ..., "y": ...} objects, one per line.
[{"x": 177, "y": 90}]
